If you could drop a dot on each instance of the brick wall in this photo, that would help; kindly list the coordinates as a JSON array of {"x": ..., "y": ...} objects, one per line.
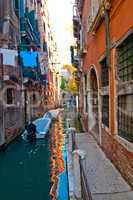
[
  {"x": 14, "y": 122},
  {"x": 119, "y": 155},
  {"x": 11, "y": 70}
]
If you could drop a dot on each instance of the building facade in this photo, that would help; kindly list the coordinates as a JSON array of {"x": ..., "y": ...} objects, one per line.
[
  {"x": 104, "y": 41},
  {"x": 36, "y": 37},
  {"x": 28, "y": 79},
  {"x": 11, "y": 113}
]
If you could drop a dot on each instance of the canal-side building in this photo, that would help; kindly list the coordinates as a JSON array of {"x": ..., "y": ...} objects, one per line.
[
  {"x": 51, "y": 62},
  {"x": 27, "y": 76},
  {"x": 29, "y": 48},
  {"x": 106, "y": 81},
  {"x": 35, "y": 45},
  {"x": 11, "y": 109},
  {"x": 53, "y": 72}
]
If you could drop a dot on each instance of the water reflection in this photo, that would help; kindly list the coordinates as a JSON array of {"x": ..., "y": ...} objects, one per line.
[
  {"x": 56, "y": 159},
  {"x": 35, "y": 171}
]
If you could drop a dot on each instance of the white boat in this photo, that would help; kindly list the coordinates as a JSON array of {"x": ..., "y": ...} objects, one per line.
[
  {"x": 54, "y": 113},
  {"x": 43, "y": 124}
]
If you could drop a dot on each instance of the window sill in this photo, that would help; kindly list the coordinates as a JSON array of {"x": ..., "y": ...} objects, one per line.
[{"x": 128, "y": 145}]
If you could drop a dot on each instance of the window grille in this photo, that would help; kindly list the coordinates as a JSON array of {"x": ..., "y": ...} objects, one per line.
[
  {"x": 125, "y": 60},
  {"x": 125, "y": 116},
  {"x": 105, "y": 110},
  {"x": 104, "y": 73}
]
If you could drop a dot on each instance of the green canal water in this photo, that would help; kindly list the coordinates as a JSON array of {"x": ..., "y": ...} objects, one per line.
[{"x": 25, "y": 171}]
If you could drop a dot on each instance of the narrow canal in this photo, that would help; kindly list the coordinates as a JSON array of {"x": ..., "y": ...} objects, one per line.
[
  {"x": 25, "y": 171},
  {"x": 35, "y": 171}
]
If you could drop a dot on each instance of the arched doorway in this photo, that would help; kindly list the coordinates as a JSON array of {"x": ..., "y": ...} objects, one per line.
[{"x": 93, "y": 104}]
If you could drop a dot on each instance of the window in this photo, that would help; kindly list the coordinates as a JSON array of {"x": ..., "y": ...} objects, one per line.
[
  {"x": 94, "y": 7},
  {"x": 93, "y": 10},
  {"x": 125, "y": 60},
  {"x": 125, "y": 116},
  {"x": 83, "y": 36},
  {"x": 104, "y": 73},
  {"x": 45, "y": 49},
  {"x": 10, "y": 95},
  {"x": 125, "y": 99},
  {"x": 105, "y": 110}
]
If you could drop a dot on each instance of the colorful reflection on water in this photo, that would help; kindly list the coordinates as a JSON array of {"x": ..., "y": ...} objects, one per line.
[
  {"x": 35, "y": 171},
  {"x": 57, "y": 159}
]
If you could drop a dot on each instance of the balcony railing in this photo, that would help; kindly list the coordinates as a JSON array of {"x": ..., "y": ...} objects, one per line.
[{"x": 76, "y": 22}]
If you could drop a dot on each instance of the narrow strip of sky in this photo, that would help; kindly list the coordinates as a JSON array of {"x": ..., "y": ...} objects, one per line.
[{"x": 61, "y": 18}]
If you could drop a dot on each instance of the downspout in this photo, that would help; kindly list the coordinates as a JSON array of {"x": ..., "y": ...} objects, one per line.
[
  {"x": 107, "y": 34},
  {"x": 107, "y": 7}
]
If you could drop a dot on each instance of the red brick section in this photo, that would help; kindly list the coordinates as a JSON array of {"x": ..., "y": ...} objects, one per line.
[
  {"x": 11, "y": 70},
  {"x": 121, "y": 158},
  {"x": 11, "y": 134}
]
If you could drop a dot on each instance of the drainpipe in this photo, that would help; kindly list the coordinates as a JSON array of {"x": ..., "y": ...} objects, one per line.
[{"x": 107, "y": 7}]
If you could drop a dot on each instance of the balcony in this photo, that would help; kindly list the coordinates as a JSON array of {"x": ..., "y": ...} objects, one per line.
[
  {"x": 80, "y": 4},
  {"x": 29, "y": 29},
  {"x": 76, "y": 61},
  {"x": 76, "y": 22},
  {"x": 76, "y": 30}
]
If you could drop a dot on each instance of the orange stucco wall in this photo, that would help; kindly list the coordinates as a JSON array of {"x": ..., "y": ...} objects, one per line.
[
  {"x": 95, "y": 48},
  {"x": 121, "y": 18},
  {"x": 121, "y": 21}
]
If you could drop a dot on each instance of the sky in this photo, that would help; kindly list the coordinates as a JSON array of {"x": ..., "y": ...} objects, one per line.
[{"x": 61, "y": 20}]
